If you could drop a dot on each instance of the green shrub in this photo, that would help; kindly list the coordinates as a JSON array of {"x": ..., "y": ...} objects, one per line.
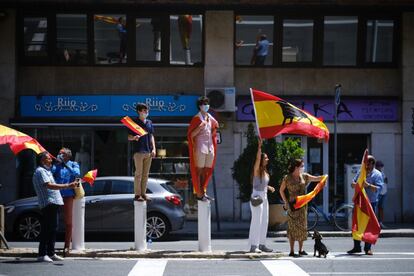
[{"x": 279, "y": 155}]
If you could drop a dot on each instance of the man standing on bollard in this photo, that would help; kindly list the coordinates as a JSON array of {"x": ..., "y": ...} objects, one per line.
[
  {"x": 50, "y": 201},
  {"x": 202, "y": 148},
  {"x": 143, "y": 148}
]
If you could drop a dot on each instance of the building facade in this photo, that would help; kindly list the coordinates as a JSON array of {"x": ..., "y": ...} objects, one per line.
[{"x": 70, "y": 72}]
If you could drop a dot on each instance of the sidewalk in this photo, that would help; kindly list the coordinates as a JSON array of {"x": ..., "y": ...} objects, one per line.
[{"x": 228, "y": 230}]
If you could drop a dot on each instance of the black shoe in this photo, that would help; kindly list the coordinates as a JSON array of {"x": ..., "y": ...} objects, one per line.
[
  {"x": 292, "y": 254},
  {"x": 368, "y": 252},
  {"x": 303, "y": 253},
  {"x": 354, "y": 250}
]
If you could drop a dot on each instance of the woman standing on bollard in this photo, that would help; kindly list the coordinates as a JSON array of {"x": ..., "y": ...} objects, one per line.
[
  {"x": 66, "y": 171},
  {"x": 295, "y": 182},
  {"x": 259, "y": 205}
]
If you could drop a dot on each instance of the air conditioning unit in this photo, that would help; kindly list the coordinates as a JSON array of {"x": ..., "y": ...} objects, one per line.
[{"x": 222, "y": 99}]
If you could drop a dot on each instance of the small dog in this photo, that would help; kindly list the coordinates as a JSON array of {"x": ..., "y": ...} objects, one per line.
[{"x": 319, "y": 246}]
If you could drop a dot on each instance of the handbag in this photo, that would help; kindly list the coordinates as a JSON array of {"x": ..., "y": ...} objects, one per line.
[
  {"x": 79, "y": 191},
  {"x": 256, "y": 200}
]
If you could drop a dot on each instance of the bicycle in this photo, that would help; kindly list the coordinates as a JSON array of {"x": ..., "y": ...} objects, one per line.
[{"x": 341, "y": 217}]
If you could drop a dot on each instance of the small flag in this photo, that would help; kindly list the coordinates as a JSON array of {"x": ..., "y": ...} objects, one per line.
[
  {"x": 18, "y": 141},
  {"x": 275, "y": 116},
  {"x": 300, "y": 201},
  {"x": 129, "y": 123},
  {"x": 90, "y": 176},
  {"x": 107, "y": 19}
]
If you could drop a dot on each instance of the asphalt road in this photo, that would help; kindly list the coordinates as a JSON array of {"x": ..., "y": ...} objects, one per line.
[{"x": 392, "y": 256}]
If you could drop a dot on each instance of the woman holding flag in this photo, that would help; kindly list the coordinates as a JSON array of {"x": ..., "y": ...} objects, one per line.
[{"x": 295, "y": 182}]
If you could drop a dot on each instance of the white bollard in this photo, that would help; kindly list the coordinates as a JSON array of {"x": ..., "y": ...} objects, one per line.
[
  {"x": 187, "y": 56},
  {"x": 78, "y": 227},
  {"x": 204, "y": 226},
  {"x": 140, "y": 225}
]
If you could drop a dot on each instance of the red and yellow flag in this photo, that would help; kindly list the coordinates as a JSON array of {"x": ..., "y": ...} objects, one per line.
[
  {"x": 90, "y": 176},
  {"x": 129, "y": 123},
  {"x": 365, "y": 226},
  {"x": 300, "y": 201},
  {"x": 185, "y": 27},
  {"x": 18, "y": 141},
  {"x": 275, "y": 116},
  {"x": 107, "y": 19}
]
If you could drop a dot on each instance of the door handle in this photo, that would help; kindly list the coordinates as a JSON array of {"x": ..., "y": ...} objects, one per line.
[{"x": 94, "y": 200}]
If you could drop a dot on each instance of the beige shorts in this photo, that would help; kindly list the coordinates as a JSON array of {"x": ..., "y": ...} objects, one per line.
[{"x": 203, "y": 160}]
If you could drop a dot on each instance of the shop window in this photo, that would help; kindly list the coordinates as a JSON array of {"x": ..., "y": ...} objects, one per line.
[
  {"x": 379, "y": 41},
  {"x": 35, "y": 36},
  {"x": 250, "y": 44},
  {"x": 110, "y": 33},
  {"x": 297, "y": 40},
  {"x": 71, "y": 39},
  {"x": 340, "y": 40},
  {"x": 148, "y": 39},
  {"x": 186, "y": 39}
]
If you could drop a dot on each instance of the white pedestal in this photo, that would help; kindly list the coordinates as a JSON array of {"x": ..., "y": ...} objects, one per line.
[
  {"x": 140, "y": 225},
  {"x": 204, "y": 226},
  {"x": 78, "y": 230},
  {"x": 187, "y": 56}
]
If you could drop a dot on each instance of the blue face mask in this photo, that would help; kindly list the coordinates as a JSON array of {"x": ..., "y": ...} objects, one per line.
[{"x": 205, "y": 107}]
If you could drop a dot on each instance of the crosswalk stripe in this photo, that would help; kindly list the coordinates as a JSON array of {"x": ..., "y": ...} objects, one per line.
[
  {"x": 282, "y": 268},
  {"x": 148, "y": 267}
]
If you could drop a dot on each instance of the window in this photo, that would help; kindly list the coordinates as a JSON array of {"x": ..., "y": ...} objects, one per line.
[
  {"x": 340, "y": 40},
  {"x": 122, "y": 187},
  {"x": 99, "y": 187},
  {"x": 148, "y": 34},
  {"x": 110, "y": 31},
  {"x": 71, "y": 39},
  {"x": 254, "y": 40},
  {"x": 35, "y": 36},
  {"x": 297, "y": 40},
  {"x": 186, "y": 39},
  {"x": 379, "y": 41}
]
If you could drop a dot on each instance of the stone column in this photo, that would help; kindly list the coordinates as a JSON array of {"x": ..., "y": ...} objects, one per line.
[{"x": 407, "y": 117}]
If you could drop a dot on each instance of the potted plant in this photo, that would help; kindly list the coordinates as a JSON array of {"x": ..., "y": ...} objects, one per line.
[{"x": 279, "y": 155}]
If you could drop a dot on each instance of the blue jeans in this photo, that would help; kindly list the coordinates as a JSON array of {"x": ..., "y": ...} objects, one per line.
[{"x": 48, "y": 229}]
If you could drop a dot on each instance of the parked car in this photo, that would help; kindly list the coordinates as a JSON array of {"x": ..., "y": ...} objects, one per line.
[{"x": 108, "y": 208}]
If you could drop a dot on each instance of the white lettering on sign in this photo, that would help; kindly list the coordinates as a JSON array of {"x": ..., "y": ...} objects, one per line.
[
  {"x": 156, "y": 104},
  {"x": 66, "y": 104}
]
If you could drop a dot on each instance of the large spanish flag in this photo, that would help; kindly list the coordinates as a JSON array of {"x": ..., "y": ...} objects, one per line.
[
  {"x": 365, "y": 226},
  {"x": 129, "y": 123},
  {"x": 300, "y": 201},
  {"x": 275, "y": 116},
  {"x": 18, "y": 141}
]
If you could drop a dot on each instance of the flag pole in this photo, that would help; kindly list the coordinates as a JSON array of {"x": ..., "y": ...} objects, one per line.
[
  {"x": 255, "y": 116},
  {"x": 337, "y": 102}
]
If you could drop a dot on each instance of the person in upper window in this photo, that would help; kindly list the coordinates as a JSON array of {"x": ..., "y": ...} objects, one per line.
[
  {"x": 143, "y": 148},
  {"x": 261, "y": 50}
]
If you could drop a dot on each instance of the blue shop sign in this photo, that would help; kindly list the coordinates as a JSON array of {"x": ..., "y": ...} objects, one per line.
[{"x": 106, "y": 105}]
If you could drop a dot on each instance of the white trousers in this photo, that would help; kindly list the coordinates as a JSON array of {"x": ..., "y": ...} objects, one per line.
[{"x": 260, "y": 220}]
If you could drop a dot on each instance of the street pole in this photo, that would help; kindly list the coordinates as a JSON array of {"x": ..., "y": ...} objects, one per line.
[{"x": 337, "y": 102}]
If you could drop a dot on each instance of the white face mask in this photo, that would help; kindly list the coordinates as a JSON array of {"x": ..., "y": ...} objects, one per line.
[
  {"x": 205, "y": 107},
  {"x": 143, "y": 115},
  {"x": 301, "y": 170}
]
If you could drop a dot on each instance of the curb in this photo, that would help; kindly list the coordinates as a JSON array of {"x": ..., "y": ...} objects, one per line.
[{"x": 150, "y": 254}]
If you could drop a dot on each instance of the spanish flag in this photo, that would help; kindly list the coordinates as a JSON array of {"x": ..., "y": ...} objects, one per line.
[
  {"x": 90, "y": 176},
  {"x": 19, "y": 141},
  {"x": 365, "y": 226},
  {"x": 185, "y": 27},
  {"x": 300, "y": 201},
  {"x": 275, "y": 116},
  {"x": 129, "y": 123},
  {"x": 107, "y": 19}
]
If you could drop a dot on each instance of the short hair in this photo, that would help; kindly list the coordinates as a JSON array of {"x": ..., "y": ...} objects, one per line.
[
  {"x": 141, "y": 106},
  {"x": 379, "y": 164},
  {"x": 41, "y": 156},
  {"x": 263, "y": 37},
  {"x": 66, "y": 151},
  {"x": 371, "y": 159},
  {"x": 294, "y": 163},
  {"x": 202, "y": 100}
]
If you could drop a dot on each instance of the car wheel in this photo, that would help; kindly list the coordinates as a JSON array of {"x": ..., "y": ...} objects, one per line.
[
  {"x": 158, "y": 226},
  {"x": 28, "y": 227}
]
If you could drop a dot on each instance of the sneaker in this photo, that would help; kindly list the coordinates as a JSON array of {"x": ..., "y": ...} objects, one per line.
[
  {"x": 354, "y": 250},
  {"x": 45, "y": 259},
  {"x": 254, "y": 249},
  {"x": 56, "y": 258},
  {"x": 303, "y": 253},
  {"x": 292, "y": 254},
  {"x": 263, "y": 248},
  {"x": 369, "y": 252},
  {"x": 208, "y": 197},
  {"x": 138, "y": 198}
]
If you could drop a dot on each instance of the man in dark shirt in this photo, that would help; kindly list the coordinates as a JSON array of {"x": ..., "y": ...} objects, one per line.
[{"x": 143, "y": 148}]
